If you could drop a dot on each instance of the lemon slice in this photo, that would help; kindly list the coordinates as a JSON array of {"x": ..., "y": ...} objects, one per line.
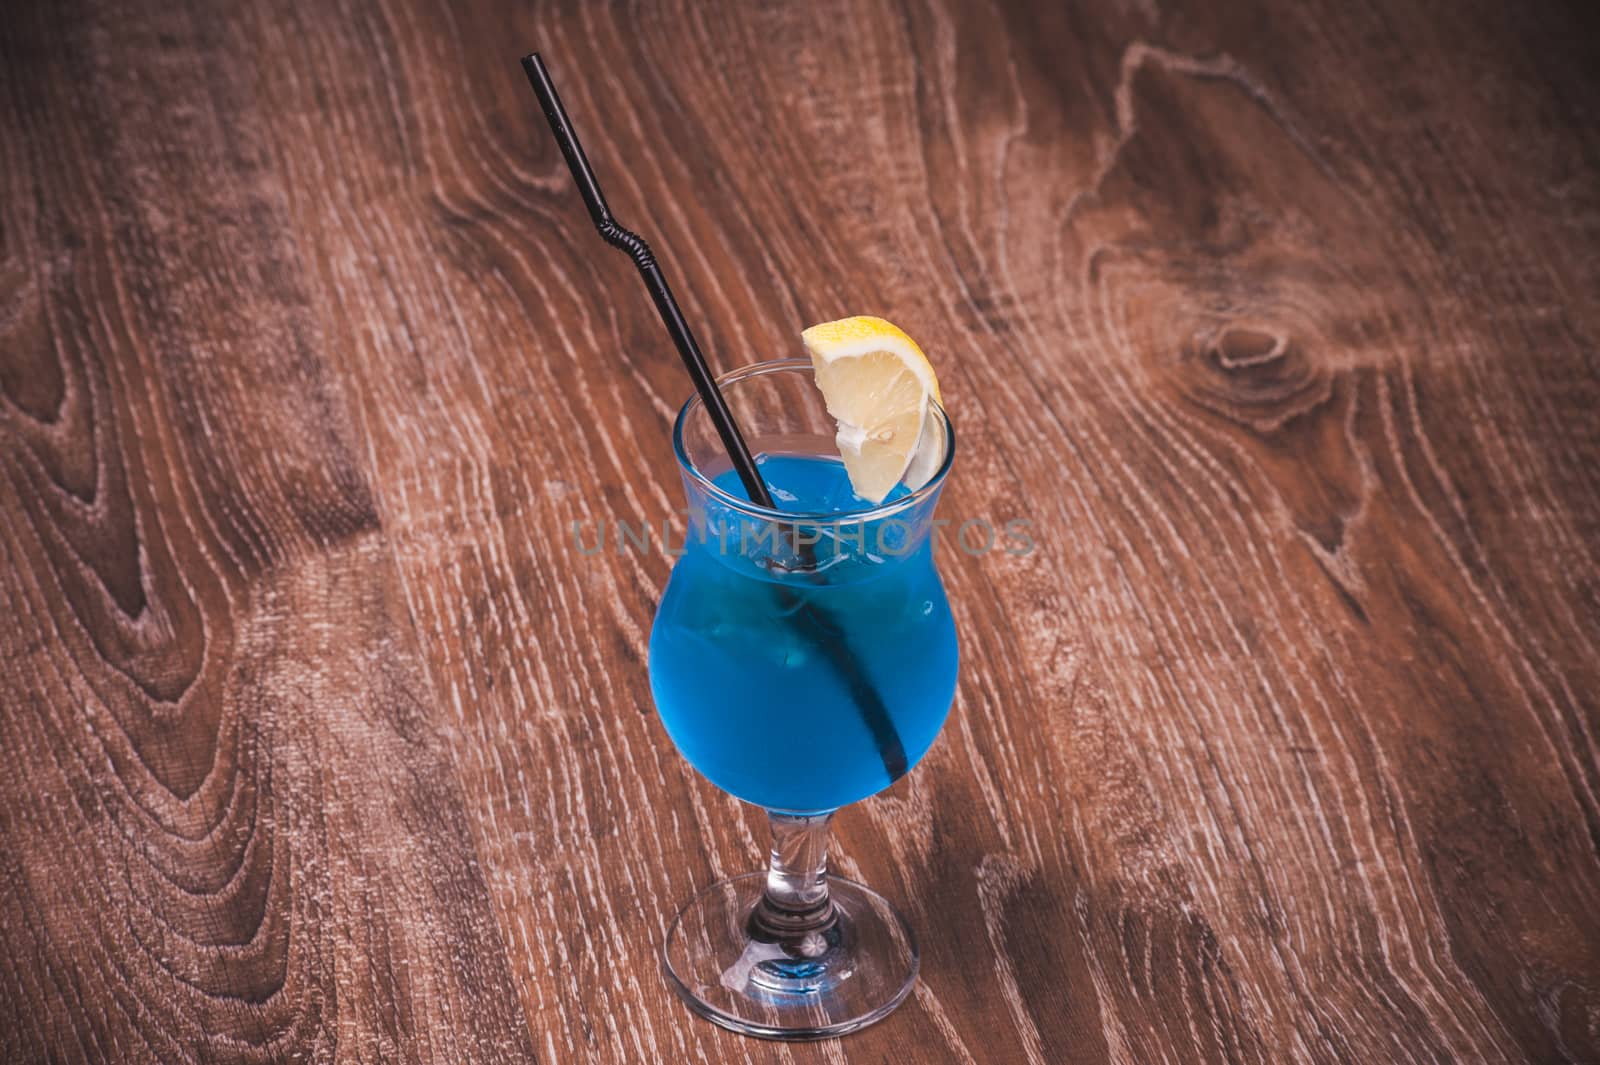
[{"x": 877, "y": 384}]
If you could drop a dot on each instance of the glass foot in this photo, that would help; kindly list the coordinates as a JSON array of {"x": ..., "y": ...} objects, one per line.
[{"x": 730, "y": 968}]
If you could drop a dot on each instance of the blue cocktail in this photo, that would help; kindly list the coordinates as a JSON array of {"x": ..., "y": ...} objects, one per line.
[
  {"x": 812, "y": 663},
  {"x": 803, "y": 657},
  {"x": 739, "y": 665}
]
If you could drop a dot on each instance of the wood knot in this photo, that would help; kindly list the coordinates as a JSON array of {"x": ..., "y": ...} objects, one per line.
[
  {"x": 1253, "y": 374},
  {"x": 1240, "y": 347}
]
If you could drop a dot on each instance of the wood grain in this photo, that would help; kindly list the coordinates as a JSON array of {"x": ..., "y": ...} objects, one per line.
[
  {"x": 231, "y": 830},
  {"x": 320, "y": 740}
]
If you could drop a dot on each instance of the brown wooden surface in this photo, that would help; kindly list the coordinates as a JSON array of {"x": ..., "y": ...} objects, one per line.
[{"x": 320, "y": 742}]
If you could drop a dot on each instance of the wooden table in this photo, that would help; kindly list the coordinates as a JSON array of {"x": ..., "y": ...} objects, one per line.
[{"x": 321, "y": 741}]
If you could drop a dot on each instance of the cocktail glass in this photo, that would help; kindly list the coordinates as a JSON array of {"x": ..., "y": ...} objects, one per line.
[{"x": 801, "y": 659}]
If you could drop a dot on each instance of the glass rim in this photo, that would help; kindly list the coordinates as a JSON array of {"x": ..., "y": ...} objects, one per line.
[{"x": 871, "y": 512}]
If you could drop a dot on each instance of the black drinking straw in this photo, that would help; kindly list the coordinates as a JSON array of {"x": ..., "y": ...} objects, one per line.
[
  {"x": 654, "y": 280},
  {"x": 867, "y": 698}
]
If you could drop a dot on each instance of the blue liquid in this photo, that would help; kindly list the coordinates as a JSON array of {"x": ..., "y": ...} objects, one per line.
[{"x": 740, "y": 675}]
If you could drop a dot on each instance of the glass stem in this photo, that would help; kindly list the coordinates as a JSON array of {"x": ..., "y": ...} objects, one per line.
[{"x": 795, "y": 906}]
